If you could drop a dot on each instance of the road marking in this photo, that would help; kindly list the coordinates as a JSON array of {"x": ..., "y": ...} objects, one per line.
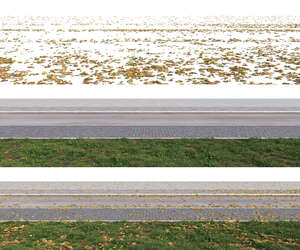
[
  {"x": 155, "y": 195},
  {"x": 143, "y": 138},
  {"x": 206, "y": 219},
  {"x": 148, "y": 111}
]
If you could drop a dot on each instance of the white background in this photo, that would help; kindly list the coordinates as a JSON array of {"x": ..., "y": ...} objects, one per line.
[
  {"x": 150, "y": 174},
  {"x": 149, "y": 7}
]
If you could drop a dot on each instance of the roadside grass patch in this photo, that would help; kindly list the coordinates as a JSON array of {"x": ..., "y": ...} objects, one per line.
[
  {"x": 150, "y": 235},
  {"x": 124, "y": 152}
]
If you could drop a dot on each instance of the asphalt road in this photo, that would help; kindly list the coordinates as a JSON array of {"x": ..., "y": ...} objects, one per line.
[
  {"x": 148, "y": 104},
  {"x": 144, "y": 201},
  {"x": 150, "y": 125},
  {"x": 148, "y": 187},
  {"x": 149, "y": 118}
]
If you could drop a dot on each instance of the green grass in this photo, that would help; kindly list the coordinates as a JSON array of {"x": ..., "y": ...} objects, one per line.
[
  {"x": 150, "y": 235},
  {"x": 150, "y": 153}
]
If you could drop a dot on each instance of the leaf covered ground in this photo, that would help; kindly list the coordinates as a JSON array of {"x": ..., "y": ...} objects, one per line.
[
  {"x": 166, "y": 51},
  {"x": 150, "y": 235}
]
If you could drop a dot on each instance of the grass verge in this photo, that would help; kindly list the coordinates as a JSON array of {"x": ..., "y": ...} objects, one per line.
[
  {"x": 150, "y": 235},
  {"x": 149, "y": 152}
]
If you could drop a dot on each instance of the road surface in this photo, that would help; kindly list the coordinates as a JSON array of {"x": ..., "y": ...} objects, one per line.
[
  {"x": 144, "y": 201},
  {"x": 157, "y": 118},
  {"x": 149, "y": 104}
]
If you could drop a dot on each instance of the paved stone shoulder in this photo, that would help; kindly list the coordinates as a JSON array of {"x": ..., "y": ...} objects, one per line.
[{"x": 149, "y": 131}]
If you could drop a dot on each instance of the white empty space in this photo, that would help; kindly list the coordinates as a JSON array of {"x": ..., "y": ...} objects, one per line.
[
  {"x": 149, "y": 8},
  {"x": 149, "y": 174}
]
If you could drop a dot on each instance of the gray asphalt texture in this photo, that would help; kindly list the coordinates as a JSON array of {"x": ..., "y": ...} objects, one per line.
[
  {"x": 149, "y": 125},
  {"x": 151, "y": 119},
  {"x": 156, "y": 187},
  {"x": 149, "y": 104},
  {"x": 144, "y": 201},
  {"x": 151, "y": 201}
]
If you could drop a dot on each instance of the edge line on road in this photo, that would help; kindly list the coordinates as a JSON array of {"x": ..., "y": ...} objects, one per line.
[
  {"x": 146, "y": 220},
  {"x": 148, "y": 111},
  {"x": 144, "y": 138},
  {"x": 151, "y": 195}
]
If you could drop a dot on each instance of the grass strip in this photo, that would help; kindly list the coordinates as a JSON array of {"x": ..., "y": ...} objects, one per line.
[
  {"x": 150, "y": 235},
  {"x": 124, "y": 152}
]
